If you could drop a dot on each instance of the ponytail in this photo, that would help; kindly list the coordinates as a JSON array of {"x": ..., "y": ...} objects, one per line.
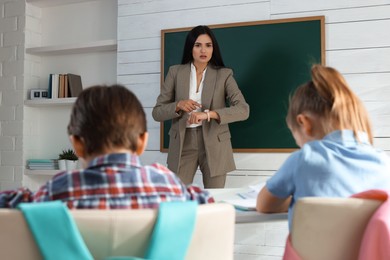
[{"x": 329, "y": 98}]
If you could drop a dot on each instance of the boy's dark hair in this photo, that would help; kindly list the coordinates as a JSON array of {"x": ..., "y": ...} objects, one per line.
[
  {"x": 216, "y": 59},
  {"x": 107, "y": 117}
]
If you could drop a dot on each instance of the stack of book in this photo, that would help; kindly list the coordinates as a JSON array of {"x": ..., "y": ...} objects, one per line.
[
  {"x": 42, "y": 164},
  {"x": 64, "y": 85}
]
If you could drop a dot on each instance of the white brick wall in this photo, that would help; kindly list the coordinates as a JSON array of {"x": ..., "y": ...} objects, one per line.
[{"x": 11, "y": 92}]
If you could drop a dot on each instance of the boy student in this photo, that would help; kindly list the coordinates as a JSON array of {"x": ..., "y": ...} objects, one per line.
[{"x": 107, "y": 129}]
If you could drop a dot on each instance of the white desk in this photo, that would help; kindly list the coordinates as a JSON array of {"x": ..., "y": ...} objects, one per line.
[{"x": 245, "y": 216}]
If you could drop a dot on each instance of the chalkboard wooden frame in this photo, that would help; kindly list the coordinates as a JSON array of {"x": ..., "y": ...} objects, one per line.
[{"x": 303, "y": 36}]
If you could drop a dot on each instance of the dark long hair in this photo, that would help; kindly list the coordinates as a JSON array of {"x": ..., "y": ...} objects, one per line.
[{"x": 216, "y": 58}]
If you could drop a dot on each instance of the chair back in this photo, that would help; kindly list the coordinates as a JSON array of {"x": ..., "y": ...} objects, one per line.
[
  {"x": 330, "y": 228},
  {"x": 124, "y": 233}
]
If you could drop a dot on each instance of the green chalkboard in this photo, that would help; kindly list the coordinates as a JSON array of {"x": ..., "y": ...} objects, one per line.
[{"x": 269, "y": 60}]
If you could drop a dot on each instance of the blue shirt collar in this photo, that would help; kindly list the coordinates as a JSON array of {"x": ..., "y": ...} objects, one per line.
[{"x": 347, "y": 138}]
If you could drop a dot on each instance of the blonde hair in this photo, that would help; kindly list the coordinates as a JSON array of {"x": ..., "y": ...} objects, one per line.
[{"x": 328, "y": 97}]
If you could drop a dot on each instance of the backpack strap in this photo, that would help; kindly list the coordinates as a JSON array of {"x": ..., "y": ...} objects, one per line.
[
  {"x": 173, "y": 230},
  {"x": 58, "y": 237},
  {"x": 55, "y": 231}
]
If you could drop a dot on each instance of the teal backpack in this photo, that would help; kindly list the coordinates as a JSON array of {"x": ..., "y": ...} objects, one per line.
[{"x": 58, "y": 237}]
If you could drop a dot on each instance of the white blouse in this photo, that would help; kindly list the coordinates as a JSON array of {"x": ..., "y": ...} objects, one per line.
[{"x": 196, "y": 95}]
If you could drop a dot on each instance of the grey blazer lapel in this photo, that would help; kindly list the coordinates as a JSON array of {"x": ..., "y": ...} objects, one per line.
[
  {"x": 183, "y": 82},
  {"x": 209, "y": 87}
]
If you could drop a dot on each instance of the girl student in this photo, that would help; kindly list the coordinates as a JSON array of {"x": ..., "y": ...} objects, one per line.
[{"x": 337, "y": 158}]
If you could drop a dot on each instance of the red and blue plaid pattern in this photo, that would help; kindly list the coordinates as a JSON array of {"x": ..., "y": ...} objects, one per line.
[{"x": 113, "y": 181}]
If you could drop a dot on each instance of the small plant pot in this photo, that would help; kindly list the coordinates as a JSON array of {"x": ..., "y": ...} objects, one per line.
[
  {"x": 71, "y": 165},
  {"x": 62, "y": 165}
]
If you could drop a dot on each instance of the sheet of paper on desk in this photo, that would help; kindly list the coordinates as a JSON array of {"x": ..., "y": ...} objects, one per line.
[
  {"x": 252, "y": 192},
  {"x": 242, "y": 204}
]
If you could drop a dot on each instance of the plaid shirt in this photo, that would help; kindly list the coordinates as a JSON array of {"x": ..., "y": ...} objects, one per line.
[{"x": 113, "y": 181}]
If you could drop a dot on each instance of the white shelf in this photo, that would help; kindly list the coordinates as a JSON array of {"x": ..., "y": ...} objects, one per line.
[
  {"x": 97, "y": 46},
  {"x": 41, "y": 172},
  {"x": 47, "y": 102},
  {"x": 59, "y": 40}
]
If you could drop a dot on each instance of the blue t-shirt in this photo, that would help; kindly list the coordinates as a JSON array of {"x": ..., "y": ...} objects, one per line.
[{"x": 336, "y": 166}]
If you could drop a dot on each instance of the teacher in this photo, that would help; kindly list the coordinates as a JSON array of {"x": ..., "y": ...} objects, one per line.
[{"x": 201, "y": 97}]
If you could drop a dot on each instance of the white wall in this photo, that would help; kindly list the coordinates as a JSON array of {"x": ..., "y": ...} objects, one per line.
[
  {"x": 357, "y": 44},
  {"x": 11, "y": 92}
]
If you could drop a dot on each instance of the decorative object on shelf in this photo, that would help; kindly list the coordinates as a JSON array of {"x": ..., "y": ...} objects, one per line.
[
  {"x": 71, "y": 165},
  {"x": 62, "y": 165},
  {"x": 39, "y": 93},
  {"x": 68, "y": 154},
  {"x": 67, "y": 160}
]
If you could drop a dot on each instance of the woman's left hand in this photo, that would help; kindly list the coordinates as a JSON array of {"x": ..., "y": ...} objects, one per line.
[{"x": 197, "y": 117}]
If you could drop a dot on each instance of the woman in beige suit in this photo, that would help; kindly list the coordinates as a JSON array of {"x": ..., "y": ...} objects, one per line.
[{"x": 201, "y": 97}]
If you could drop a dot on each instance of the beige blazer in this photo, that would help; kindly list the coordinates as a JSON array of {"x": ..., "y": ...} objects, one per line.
[{"x": 219, "y": 86}]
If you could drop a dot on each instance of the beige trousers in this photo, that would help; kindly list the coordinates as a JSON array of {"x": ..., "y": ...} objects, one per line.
[{"x": 194, "y": 155}]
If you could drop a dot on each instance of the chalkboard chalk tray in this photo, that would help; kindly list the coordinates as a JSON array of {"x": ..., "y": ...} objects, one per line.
[{"x": 269, "y": 60}]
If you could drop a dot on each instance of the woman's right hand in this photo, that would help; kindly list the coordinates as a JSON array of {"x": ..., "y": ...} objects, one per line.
[{"x": 188, "y": 105}]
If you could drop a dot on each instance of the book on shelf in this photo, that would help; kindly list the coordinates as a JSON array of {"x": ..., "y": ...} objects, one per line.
[
  {"x": 61, "y": 86},
  {"x": 49, "y": 86},
  {"x": 42, "y": 164},
  {"x": 75, "y": 85},
  {"x": 54, "y": 85},
  {"x": 64, "y": 85}
]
